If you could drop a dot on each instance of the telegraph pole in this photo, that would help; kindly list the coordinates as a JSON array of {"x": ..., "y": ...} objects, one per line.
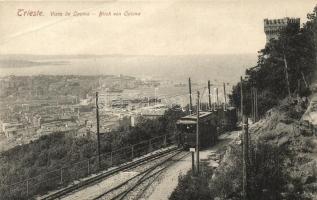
[
  {"x": 190, "y": 96},
  {"x": 192, "y": 150},
  {"x": 241, "y": 97},
  {"x": 215, "y": 99},
  {"x": 225, "y": 96},
  {"x": 254, "y": 99},
  {"x": 252, "y": 104},
  {"x": 256, "y": 105},
  {"x": 98, "y": 134},
  {"x": 217, "y": 96},
  {"x": 197, "y": 134},
  {"x": 155, "y": 94},
  {"x": 245, "y": 145},
  {"x": 209, "y": 95},
  {"x": 245, "y": 149}
]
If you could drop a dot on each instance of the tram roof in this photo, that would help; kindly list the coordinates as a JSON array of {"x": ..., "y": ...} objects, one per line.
[{"x": 191, "y": 119}]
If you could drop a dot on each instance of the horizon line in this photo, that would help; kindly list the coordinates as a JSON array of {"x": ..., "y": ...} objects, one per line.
[{"x": 23, "y": 54}]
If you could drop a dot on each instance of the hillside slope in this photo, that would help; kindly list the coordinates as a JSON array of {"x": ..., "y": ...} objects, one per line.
[{"x": 283, "y": 156}]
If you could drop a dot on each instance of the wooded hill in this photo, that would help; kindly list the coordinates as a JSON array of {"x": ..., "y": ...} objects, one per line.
[{"x": 295, "y": 48}]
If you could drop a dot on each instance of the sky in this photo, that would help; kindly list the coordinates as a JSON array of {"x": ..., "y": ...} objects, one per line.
[{"x": 165, "y": 27}]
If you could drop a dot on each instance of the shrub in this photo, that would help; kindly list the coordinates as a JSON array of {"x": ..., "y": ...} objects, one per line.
[{"x": 191, "y": 187}]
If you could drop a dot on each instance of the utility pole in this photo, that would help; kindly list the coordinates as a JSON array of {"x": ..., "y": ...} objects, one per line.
[
  {"x": 245, "y": 144},
  {"x": 215, "y": 100},
  {"x": 190, "y": 96},
  {"x": 252, "y": 104},
  {"x": 286, "y": 75},
  {"x": 201, "y": 105},
  {"x": 197, "y": 134},
  {"x": 217, "y": 96},
  {"x": 98, "y": 134},
  {"x": 193, "y": 163},
  {"x": 241, "y": 97},
  {"x": 225, "y": 97},
  {"x": 209, "y": 95},
  {"x": 155, "y": 94},
  {"x": 245, "y": 149},
  {"x": 256, "y": 104},
  {"x": 192, "y": 150}
]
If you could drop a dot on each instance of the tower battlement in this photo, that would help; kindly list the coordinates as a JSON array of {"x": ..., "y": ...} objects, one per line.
[{"x": 273, "y": 27}]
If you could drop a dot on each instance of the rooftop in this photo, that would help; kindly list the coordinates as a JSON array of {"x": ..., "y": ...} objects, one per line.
[{"x": 191, "y": 119}]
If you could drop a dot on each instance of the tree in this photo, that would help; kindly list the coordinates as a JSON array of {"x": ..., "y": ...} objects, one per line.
[{"x": 298, "y": 47}]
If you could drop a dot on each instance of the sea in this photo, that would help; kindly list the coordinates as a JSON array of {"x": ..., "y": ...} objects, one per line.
[{"x": 171, "y": 70}]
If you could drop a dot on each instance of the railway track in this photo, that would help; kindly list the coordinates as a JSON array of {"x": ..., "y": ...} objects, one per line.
[
  {"x": 121, "y": 168},
  {"x": 138, "y": 191},
  {"x": 136, "y": 186}
]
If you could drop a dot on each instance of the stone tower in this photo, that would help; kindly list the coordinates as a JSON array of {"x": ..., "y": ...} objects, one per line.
[{"x": 273, "y": 27}]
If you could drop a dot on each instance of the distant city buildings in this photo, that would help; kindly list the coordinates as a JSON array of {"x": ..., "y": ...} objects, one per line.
[
  {"x": 31, "y": 106},
  {"x": 11, "y": 129},
  {"x": 273, "y": 27}
]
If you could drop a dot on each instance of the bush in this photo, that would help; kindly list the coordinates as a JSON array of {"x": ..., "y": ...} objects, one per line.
[
  {"x": 266, "y": 177},
  {"x": 228, "y": 176},
  {"x": 308, "y": 145},
  {"x": 191, "y": 187}
]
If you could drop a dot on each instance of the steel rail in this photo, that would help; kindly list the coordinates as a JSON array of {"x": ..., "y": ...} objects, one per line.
[
  {"x": 145, "y": 177},
  {"x": 136, "y": 176},
  {"x": 106, "y": 174}
]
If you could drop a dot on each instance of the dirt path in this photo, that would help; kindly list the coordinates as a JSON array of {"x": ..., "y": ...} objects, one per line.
[{"x": 165, "y": 185}]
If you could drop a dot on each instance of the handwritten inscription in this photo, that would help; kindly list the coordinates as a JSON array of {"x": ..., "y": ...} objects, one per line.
[{"x": 39, "y": 13}]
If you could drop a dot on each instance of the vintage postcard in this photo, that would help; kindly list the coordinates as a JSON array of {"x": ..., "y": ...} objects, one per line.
[{"x": 158, "y": 99}]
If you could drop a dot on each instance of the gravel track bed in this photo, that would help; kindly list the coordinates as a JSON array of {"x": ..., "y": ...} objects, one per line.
[
  {"x": 139, "y": 172},
  {"x": 140, "y": 190}
]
